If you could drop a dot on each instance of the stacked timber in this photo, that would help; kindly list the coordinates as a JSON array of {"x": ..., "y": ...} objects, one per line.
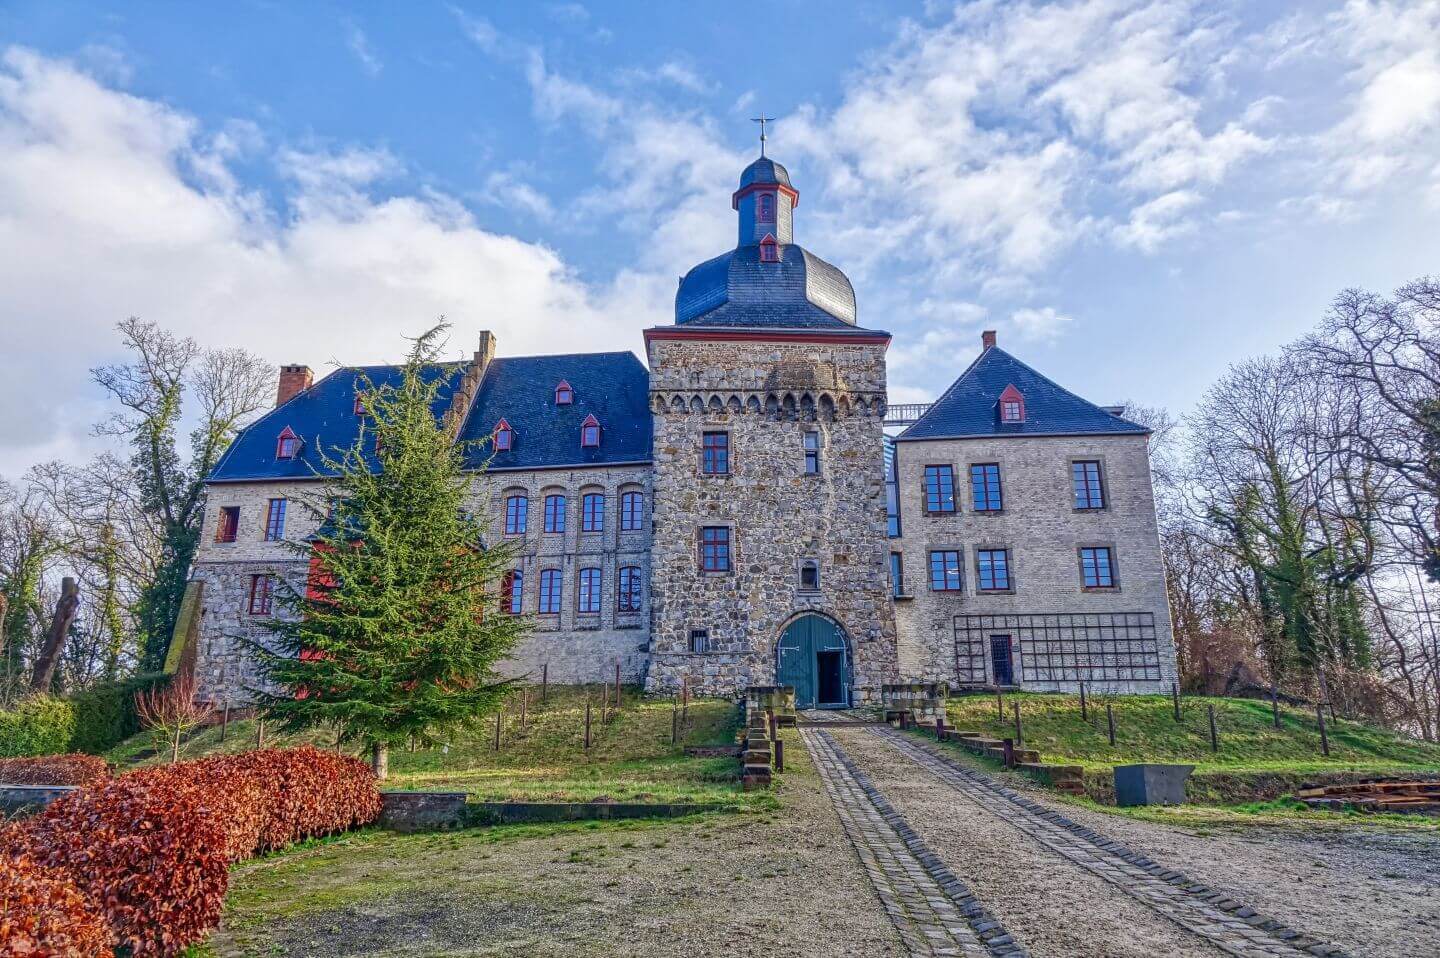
[{"x": 1376, "y": 795}]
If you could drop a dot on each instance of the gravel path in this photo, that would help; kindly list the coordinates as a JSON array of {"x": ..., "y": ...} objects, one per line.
[
  {"x": 787, "y": 883},
  {"x": 1049, "y": 904}
]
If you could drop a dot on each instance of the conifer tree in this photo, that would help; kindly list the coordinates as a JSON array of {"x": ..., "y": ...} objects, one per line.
[{"x": 397, "y": 630}]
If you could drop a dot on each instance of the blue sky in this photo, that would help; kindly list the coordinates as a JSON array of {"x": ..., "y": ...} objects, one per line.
[{"x": 1135, "y": 194}]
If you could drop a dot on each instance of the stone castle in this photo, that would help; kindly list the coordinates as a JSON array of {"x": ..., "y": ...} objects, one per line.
[{"x": 733, "y": 512}]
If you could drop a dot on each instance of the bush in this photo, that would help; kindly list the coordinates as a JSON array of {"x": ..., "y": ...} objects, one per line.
[
  {"x": 43, "y": 913},
  {"x": 38, "y": 725},
  {"x": 151, "y": 849},
  {"x": 72, "y": 769},
  {"x": 105, "y": 713}
]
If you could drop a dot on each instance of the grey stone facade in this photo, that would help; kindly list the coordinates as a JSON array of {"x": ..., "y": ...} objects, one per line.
[
  {"x": 765, "y": 396},
  {"x": 1116, "y": 639}
]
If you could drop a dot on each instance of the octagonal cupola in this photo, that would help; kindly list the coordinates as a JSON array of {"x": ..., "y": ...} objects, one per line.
[{"x": 765, "y": 202}]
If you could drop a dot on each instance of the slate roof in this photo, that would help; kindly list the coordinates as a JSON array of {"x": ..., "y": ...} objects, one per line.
[
  {"x": 736, "y": 289},
  {"x": 614, "y": 387},
  {"x": 970, "y": 406},
  {"x": 322, "y": 416},
  {"x": 764, "y": 170}
]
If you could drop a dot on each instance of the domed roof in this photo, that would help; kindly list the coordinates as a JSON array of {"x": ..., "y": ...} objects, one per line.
[
  {"x": 800, "y": 290},
  {"x": 764, "y": 170}
]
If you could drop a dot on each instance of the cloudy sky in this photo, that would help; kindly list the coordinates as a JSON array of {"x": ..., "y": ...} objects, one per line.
[{"x": 1135, "y": 194}]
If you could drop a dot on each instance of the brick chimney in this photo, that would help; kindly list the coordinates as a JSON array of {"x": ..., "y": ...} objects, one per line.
[
  {"x": 469, "y": 387},
  {"x": 293, "y": 379},
  {"x": 987, "y": 340}
]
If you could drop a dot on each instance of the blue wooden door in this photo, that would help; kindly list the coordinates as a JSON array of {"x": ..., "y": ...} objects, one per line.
[{"x": 812, "y": 656}]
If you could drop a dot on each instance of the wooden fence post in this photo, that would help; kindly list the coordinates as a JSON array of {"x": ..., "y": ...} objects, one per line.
[
  {"x": 617, "y": 685},
  {"x": 779, "y": 755},
  {"x": 260, "y": 732},
  {"x": 524, "y": 701},
  {"x": 225, "y": 720},
  {"x": 1274, "y": 705},
  {"x": 1084, "y": 709},
  {"x": 1324, "y": 736},
  {"x": 587, "y": 723},
  {"x": 544, "y": 681},
  {"x": 1175, "y": 695},
  {"x": 1110, "y": 722},
  {"x": 1019, "y": 731},
  {"x": 1214, "y": 733},
  {"x": 674, "y": 724},
  {"x": 498, "y": 714},
  {"x": 1008, "y": 751},
  {"x": 999, "y": 705}
]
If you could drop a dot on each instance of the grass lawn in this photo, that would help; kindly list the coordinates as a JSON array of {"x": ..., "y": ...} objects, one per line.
[
  {"x": 630, "y": 758},
  {"x": 1146, "y": 731}
]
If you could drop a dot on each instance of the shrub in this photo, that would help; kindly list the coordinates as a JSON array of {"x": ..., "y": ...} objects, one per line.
[
  {"x": 105, "y": 714},
  {"x": 39, "y": 725},
  {"x": 72, "y": 769},
  {"x": 43, "y": 913},
  {"x": 150, "y": 849}
]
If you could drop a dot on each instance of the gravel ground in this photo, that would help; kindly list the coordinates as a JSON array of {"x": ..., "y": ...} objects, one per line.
[
  {"x": 785, "y": 883},
  {"x": 1372, "y": 891},
  {"x": 1049, "y": 904}
]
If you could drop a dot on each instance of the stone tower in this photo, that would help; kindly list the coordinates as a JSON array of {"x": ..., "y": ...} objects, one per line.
[{"x": 769, "y": 556}]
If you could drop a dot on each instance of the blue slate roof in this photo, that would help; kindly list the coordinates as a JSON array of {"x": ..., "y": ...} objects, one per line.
[
  {"x": 736, "y": 289},
  {"x": 764, "y": 170},
  {"x": 970, "y": 407},
  {"x": 614, "y": 387},
  {"x": 322, "y": 416}
]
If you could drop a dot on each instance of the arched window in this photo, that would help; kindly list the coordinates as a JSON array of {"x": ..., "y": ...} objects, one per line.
[
  {"x": 504, "y": 436},
  {"x": 512, "y": 592},
  {"x": 628, "y": 593},
  {"x": 564, "y": 395},
  {"x": 555, "y": 513},
  {"x": 517, "y": 514},
  {"x": 592, "y": 512},
  {"x": 767, "y": 208},
  {"x": 632, "y": 511},
  {"x": 590, "y": 432},
  {"x": 288, "y": 445}
]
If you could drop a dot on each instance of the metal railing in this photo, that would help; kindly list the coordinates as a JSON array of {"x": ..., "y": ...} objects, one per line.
[{"x": 903, "y": 413}]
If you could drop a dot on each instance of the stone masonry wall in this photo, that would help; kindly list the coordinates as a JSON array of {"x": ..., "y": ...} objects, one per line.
[
  {"x": 766, "y": 396},
  {"x": 577, "y": 647},
  {"x": 1043, "y": 531}
]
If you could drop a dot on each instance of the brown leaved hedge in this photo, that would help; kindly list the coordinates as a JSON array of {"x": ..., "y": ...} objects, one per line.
[
  {"x": 42, "y": 913},
  {"x": 150, "y": 850},
  {"x": 73, "y": 769}
]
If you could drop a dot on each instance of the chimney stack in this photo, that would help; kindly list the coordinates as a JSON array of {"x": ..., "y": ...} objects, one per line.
[
  {"x": 469, "y": 388},
  {"x": 987, "y": 339},
  {"x": 293, "y": 380}
]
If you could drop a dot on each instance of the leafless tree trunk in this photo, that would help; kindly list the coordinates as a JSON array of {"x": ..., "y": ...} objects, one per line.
[{"x": 65, "y": 610}]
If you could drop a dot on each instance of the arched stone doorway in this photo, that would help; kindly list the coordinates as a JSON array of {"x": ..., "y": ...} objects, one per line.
[{"x": 813, "y": 656}]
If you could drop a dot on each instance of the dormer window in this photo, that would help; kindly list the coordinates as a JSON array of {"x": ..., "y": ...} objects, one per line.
[
  {"x": 359, "y": 404},
  {"x": 288, "y": 445},
  {"x": 766, "y": 208},
  {"x": 564, "y": 395},
  {"x": 504, "y": 436},
  {"x": 769, "y": 250},
  {"x": 1012, "y": 405},
  {"x": 590, "y": 432}
]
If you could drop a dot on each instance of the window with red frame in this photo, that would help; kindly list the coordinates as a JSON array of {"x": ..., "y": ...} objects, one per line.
[
  {"x": 632, "y": 511},
  {"x": 592, "y": 512},
  {"x": 627, "y": 596},
  {"x": 767, "y": 208},
  {"x": 227, "y": 527},
  {"x": 504, "y": 436},
  {"x": 769, "y": 250},
  {"x": 715, "y": 453},
  {"x": 590, "y": 432},
  {"x": 288, "y": 445},
  {"x": 517, "y": 515},
  {"x": 564, "y": 395},
  {"x": 512, "y": 591},
  {"x": 715, "y": 549},
  {"x": 549, "y": 592},
  {"x": 262, "y": 590},
  {"x": 275, "y": 521},
  {"x": 359, "y": 404},
  {"x": 587, "y": 599}
]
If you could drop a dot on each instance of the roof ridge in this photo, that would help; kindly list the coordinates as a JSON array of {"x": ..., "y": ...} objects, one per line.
[
  {"x": 948, "y": 390},
  {"x": 603, "y": 352}
]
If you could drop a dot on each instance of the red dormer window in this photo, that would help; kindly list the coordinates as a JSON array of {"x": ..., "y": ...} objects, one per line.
[
  {"x": 769, "y": 250},
  {"x": 1012, "y": 405},
  {"x": 288, "y": 445},
  {"x": 766, "y": 208},
  {"x": 590, "y": 432},
  {"x": 564, "y": 395},
  {"x": 359, "y": 404},
  {"x": 504, "y": 436}
]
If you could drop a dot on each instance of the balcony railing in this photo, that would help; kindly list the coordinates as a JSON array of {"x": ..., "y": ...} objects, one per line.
[{"x": 904, "y": 413}]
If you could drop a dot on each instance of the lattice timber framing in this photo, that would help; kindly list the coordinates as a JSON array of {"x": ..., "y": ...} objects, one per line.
[{"x": 1061, "y": 647}]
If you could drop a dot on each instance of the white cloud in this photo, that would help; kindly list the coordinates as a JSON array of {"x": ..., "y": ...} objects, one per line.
[
  {"x": 102, "y": 216},
  {"x": 1039, "y": 325},
  {"x": 1162, "y": 219},
  {"x": 359, "y": 44},
  {"x": 505, "y": 189}
]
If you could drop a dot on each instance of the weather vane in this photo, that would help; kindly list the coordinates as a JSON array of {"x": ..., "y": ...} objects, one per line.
[{"x": 762, "y": 119}]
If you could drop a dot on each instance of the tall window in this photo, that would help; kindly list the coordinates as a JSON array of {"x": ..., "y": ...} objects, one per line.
[
  {"x": 549, "y": 592},
  {"x": 939, "y": 489},
  {"x": 590, "y": 432},
  {"x": 512, "y": 591},
  {"x": 945, "y": 570},
  {"x": 1097, "y": 567},
  {"x": 892, "y": 491},
  {"x": 262, "y": 591},
  {"x": 627, "y": 595},
  {"x": 1089, "y": 490},
  {"x": 715, "y": 453},
  {"x": 632, "y": 511},
  {"x": 985, "y": 487},
  {"x": 809, "y": 575},
  {"x": 555, "y": 513},
  {"x": 897, "y": 574},
  {"x": 587, "y": 599},
  {"x": 992, "y": 570},
  {"x": 767, "y": 208},
  {"x": 715, "y": 549},
  {"x": 504, "y": 436},
  {"x": 517, "y": 515},
  {"x": 592, "y": 512},
  {"x": 275, "y": 520},
  {"x": 227, "y": 526},
  {"x": 564, "y": 395},
  {"x": 812, "y": 452}
]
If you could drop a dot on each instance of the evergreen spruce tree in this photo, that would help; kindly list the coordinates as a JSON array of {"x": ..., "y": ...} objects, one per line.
[{"x": 397, "y": 630}]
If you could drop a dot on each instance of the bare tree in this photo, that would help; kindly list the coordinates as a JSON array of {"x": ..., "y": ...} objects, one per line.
[{"x": 170, "y": 712}]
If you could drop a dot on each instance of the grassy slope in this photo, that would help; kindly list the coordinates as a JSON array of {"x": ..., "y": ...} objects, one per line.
[
  {"x": 631, "y": 758},
  {"x": 1147, "y": 732}
]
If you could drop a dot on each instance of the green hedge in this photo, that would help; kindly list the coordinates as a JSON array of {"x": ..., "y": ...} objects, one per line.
[{"x": 93, "y": 721}]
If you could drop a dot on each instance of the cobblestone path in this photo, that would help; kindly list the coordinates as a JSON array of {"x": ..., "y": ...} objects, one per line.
[
  {"x": 1225, "y": 923},
  {"x": 932, "y": 910}
]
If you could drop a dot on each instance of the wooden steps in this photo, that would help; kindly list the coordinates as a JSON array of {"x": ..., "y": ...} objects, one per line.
[{"x": 1412, "y": 797}]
